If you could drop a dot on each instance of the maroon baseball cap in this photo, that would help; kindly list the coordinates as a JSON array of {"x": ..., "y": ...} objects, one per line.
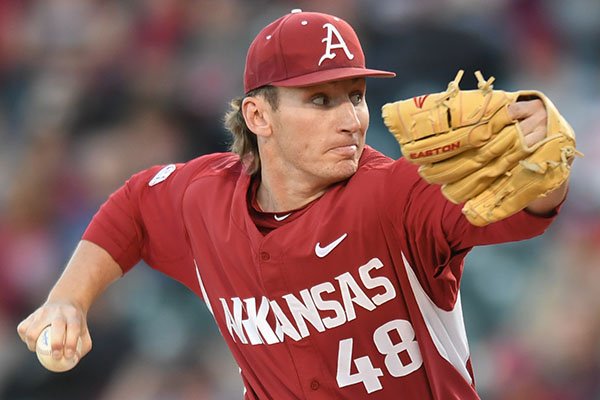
[{"x": 303, "y": 49}]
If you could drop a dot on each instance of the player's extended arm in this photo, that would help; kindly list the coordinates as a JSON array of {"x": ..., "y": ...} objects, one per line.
[
  {"x": 497, "y": 152},
  {"x": 546, "y": 205},
  {"x": 88, "y": 273}
]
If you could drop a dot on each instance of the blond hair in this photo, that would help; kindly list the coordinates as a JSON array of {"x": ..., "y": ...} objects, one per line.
[{"x": 244, "y": 141}]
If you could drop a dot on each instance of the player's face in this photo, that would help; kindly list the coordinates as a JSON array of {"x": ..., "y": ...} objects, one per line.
[{"x": 319, "y": 131}]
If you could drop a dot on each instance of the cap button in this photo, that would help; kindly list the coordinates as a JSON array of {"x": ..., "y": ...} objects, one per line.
[{"x": 296, "y": 10}]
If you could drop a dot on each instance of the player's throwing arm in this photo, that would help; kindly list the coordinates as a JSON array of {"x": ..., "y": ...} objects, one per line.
[{"x": 57, "y": 331}]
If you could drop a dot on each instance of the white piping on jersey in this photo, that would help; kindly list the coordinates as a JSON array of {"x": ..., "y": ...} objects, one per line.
[
  {"x": 244, "y": 391},
  {"x": 446, "y": 328},
  {"x": 206, "y": 300}
]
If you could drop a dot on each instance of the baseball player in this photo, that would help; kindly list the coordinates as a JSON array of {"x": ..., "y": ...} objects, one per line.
[{"x": 331, "y": 270}]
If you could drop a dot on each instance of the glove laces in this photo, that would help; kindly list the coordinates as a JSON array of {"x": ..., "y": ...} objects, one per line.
[
  {"x": 453, "y": 87},
  {"x": 482, "y": 84}
]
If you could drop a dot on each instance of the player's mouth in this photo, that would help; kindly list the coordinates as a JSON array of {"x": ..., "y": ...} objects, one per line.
[{"x": 345, "y": 151}]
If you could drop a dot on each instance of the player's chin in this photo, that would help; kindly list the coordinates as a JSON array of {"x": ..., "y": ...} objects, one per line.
[
  {"x": 345, "y": 168},
  {"x": 343, "y": 162}
]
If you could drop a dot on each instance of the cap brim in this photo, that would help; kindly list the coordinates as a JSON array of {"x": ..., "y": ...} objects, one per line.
[{"x": 335, "y": 74}]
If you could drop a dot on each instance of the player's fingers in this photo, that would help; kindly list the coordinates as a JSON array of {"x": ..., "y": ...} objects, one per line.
[
  {"x": 86, "y": 342},
  {"x": 23, "y": 326},
  {"x": 534, "y": 122},
  {"x": 27, "y": 332},
  {"x": 31, "y": 328},
  {"x": 523, "y": 109},
  {"x": 73, "y": 332},
  {"x": 58, "y": 337},
  {"x": 536, "y": 136}
]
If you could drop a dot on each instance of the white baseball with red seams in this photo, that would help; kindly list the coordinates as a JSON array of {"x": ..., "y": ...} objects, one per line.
[{"x": 43, "y": 349}]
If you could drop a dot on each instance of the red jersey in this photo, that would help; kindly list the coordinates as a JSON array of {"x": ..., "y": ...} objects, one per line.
[{"x": 354, "y": 296}]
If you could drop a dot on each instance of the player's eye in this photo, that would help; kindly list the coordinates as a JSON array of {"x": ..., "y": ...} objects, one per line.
[
  {"x": 321, "y": 99},
  {"x": 356, "y": 98}
]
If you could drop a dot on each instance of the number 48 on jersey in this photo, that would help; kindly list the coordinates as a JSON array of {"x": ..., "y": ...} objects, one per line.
[{"x": 369, "y": 375}]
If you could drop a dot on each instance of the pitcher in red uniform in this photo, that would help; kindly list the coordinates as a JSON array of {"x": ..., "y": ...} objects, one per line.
[{"x": 332, "y": 271}]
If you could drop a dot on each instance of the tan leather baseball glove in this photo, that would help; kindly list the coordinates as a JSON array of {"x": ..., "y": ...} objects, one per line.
[{"x": 466, "y": 141}]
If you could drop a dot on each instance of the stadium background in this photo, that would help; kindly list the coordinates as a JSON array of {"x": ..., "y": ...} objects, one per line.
[{"x": 94, "y": 90}]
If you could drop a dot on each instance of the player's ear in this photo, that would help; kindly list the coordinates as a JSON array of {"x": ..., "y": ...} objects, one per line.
[{"x": 256, "y": 111}]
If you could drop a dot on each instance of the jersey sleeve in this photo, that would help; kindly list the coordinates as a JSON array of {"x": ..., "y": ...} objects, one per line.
[
  {"x": 141, "y": 220},
  {"x": 438, "y": 236}
]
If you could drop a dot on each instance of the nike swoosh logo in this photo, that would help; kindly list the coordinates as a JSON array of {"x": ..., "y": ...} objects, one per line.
[
  {"x": 323, "y": 251},
  {"x": 282, "y": 217}
]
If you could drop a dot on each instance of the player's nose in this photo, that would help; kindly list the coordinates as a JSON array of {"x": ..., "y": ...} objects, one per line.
[{"x": 348, "y": 118}]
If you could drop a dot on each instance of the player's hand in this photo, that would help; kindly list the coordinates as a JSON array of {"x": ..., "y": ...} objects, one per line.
[
  {"x": 68, "y": 324},
  {"x": 533, "y": 119}
]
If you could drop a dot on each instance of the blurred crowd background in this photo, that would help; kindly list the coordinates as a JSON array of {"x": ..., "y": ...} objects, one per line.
[{"x": 92, "y": 91}]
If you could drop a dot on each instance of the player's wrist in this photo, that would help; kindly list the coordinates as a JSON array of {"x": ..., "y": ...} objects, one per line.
[{"x": 69, "y": 300}]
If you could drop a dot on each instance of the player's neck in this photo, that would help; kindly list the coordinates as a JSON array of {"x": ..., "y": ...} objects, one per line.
[{"x": 282, "y": 192}]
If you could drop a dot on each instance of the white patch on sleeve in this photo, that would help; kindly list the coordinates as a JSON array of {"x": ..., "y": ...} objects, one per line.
[
  {"x": 162, "y": 174},
  {"x": 446, "y": 328}
]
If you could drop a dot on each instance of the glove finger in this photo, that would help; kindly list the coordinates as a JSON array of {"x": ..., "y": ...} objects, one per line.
[
  {"x": 455, "y": 168},
  {"x": 478, "y": 181},
  {"x": 545, "y": 170},
  {"x": 443, "y": 146},
  {"x": 416, "y": 118},
  {"x": 423, "y": 117},
  {"x": 475, "y": 106}
]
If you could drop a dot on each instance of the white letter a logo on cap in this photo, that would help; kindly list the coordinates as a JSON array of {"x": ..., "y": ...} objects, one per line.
[{"x": 330, "y": 46}]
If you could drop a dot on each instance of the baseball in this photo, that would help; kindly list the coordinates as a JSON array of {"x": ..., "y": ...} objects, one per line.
[{"x": 43, "y": 350}]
